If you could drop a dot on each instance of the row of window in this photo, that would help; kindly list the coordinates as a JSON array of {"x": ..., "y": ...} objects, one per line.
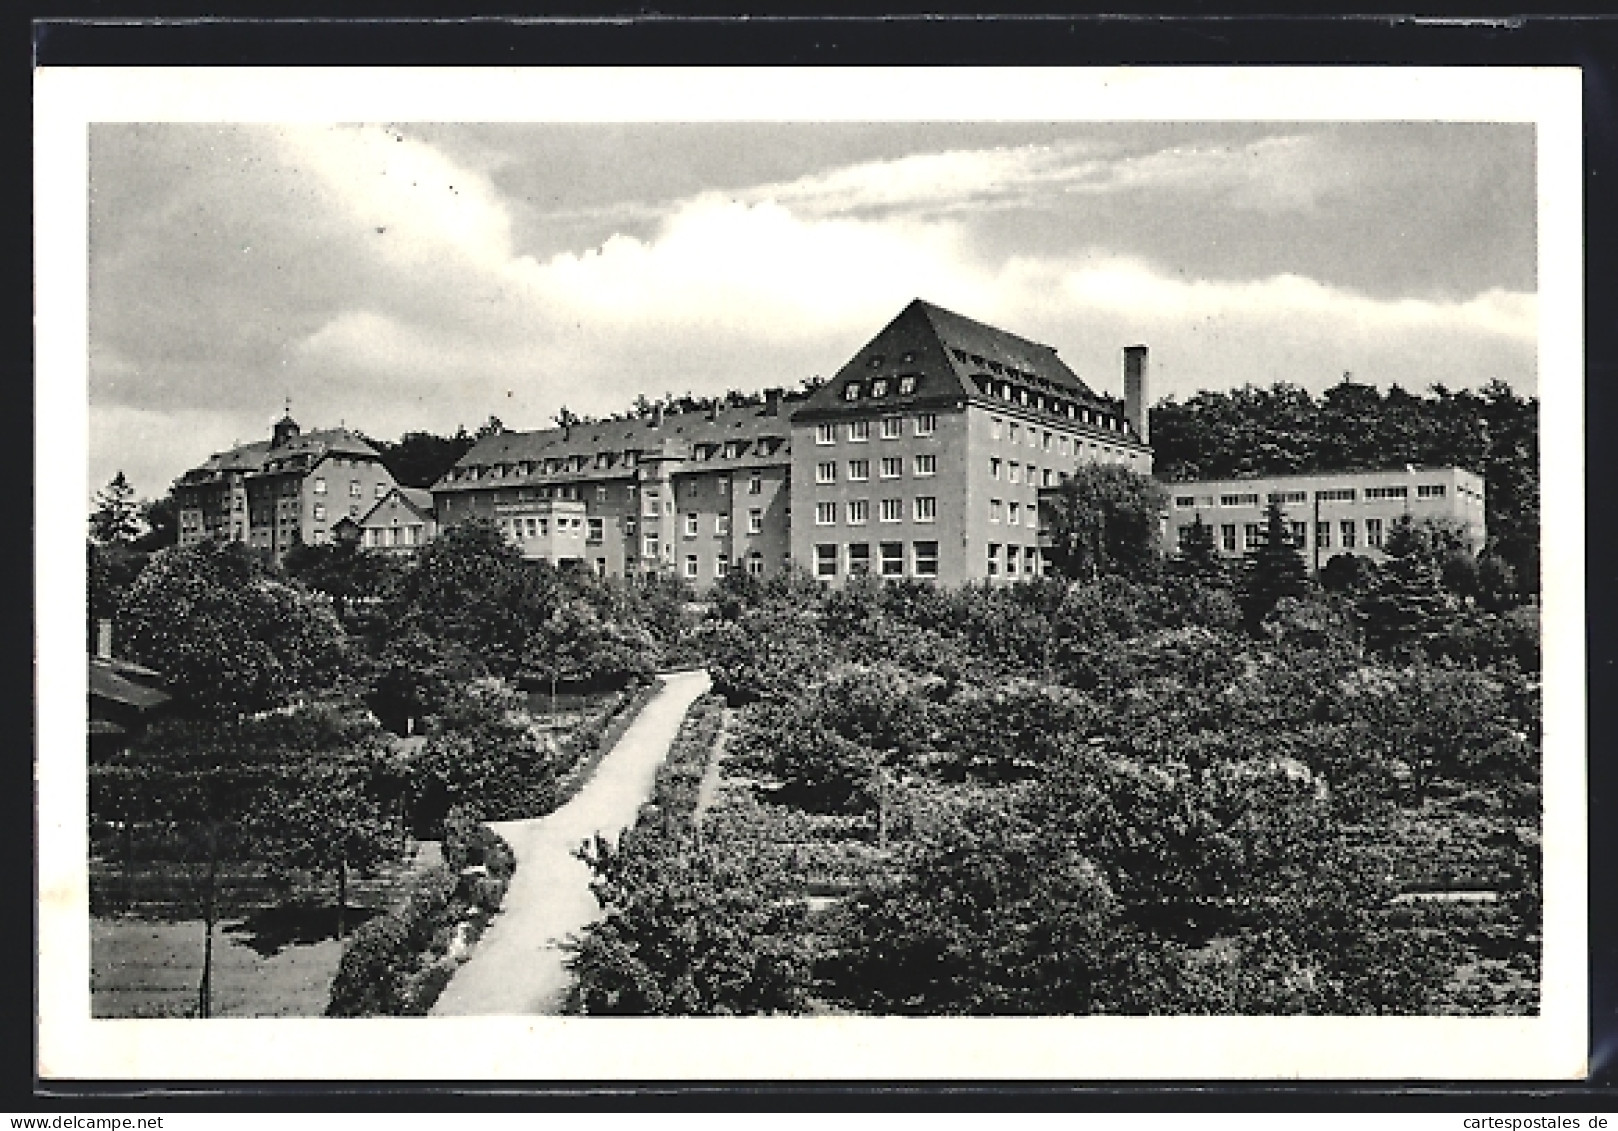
[
  {"x": 1015, "y": 473},
  {"x": 880, "y": 386},
  {"x": 395, "y": 536},
  {"x": 1028, "y": 556},
  {"x": 354, "y": 489},
  {"x": 889, "y": 467},
  {"x": 628, "y": 458},
  {"x": 319, "y": 511},
  {"x": 1252, "y": 533},
  {"x": 892, "y": 428},
  {"x": 1328, "y": 495},
  {"x": 857, "y": 512},
  {"x": 1014, "y": 513},
  {"x": 854, "y": 559},
  {"x": 721, "y": 565},
  {"x": 1060, "y": 406}
]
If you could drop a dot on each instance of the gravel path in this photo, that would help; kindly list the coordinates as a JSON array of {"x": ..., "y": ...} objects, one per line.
[{"x": 517, "y": 966}]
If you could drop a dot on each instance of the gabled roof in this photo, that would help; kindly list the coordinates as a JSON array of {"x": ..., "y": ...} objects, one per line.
[
  {"x": 416, "y": 499},
  {"x": 675, "y": 434},
  {"x": 299, "y": 453},
  {"x": 946, "y": 356}
]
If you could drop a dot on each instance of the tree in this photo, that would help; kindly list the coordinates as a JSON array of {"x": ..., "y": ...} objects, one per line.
[
  {"x": 115, "y": 520},
  {"x": 334, "y": 802},
  {"x": 420, "y": 459},
  {"x": 230, "y": 638},
  {"x": 356, "y": 579},
  {"x": 1199, "y": 554},
  {"x": 1274, "y": 569},
  {"x": 1105, "y": 519},
  {"x": 162, "y": 519},
  {"x": 494, "y": 426}
]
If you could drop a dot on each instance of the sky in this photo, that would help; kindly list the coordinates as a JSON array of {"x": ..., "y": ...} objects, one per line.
[{"x": 402, "y": 277}]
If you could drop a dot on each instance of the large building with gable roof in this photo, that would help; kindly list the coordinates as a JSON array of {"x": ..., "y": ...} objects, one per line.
[
  {"x": 294, "y": 487},
  {"x": 923, "y": 457}
]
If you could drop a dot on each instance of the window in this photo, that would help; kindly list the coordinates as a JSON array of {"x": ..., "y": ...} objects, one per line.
[
  {"x": 755, "y": 485},
  {"x": 733, "y": 448},
  {"x": 1012, "y": 554},
  {"x": 859, "y": 559},
  {"x": 601, "y": 494},
  {"x": 926, "y": 465},
  {"x": 994, "y": 559},
  {"x": 825, "y": 433},
  {"x": 1288, "y": 496},
  {"x": 722, "y": 485},
  {"x": 1300, "y": 534},
  {"x": 1013, "y": 512},
  {"x": 693, "y": 488},
  {"x": 320, "y": 512},
  {"x": 1430, "y": 491},
  {"x": 1347, "y": 529},
  {"x": 851, "y": 391},
  {"x": 1185, "y": 501},
  {"x": 892, "y": 427},
  {"x": 755, "y": 563},
  {"x": 893, "y": 559},
  {"x": 320, "y": 485},
  {"x": 651, "y": 507},
  {"x": 690, "y": 526},
  {"x": 1250, "y": 536},
  {"x": 1239, "y": 500},
  {"x": 825, "y": 560},
  {"x": 907, "y": 384},
  {"x": 825, "y": 514},
  {"x": 926, "y": 559},
  {"x": 994, "y": 510},
  {"x": 1323, "y": 535},
  {"x": 381, "y": 490},
  {"x": 1384, "y": 493},
  {"x": 859, "y": 511},
  {"x": 826, "y": 471},
  {"x": 721, "y": 524},
  {"x": 859, "y": 431},
  {"x": 629, "y": 527},
  {"x": 691, "y": 565},
  {"x": 926, "y": 508},
  {"x": 544, "y": 526},
  {"x": 1227, "y": 537},
  {"x": 353, "y": 510},
  {"x": 650, "y": 546},
  {"x": 1046, "y": 479},
  {"x": 893, "y": 510},
  {"x": 1031, "y": 561},
  {"x": 1373, "y": 530},
  {"x": 859, "y": 470},
  {"x": 755, "y": 521},
  {"x": 1013, "y": 472},
  {"x": 994, "y": 467},
  {"x": 927, "y": 422},
  {"x": 879, "y": 387},
  {"x": 1045, "y": 441},
  {"x": 1014, "y": 434},
  {"x": 892, "y": 467},
  {"x": 594, "y": 534}
]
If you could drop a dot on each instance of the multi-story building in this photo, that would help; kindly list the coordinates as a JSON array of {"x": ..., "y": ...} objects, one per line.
[
  {"x": 401, "y": 521},
  {"x": 694, "y": 494},
  {"x": 274, "y": 494},
  {"x": 924, "y": 456},
  {"x": 1328, "y": 513}
]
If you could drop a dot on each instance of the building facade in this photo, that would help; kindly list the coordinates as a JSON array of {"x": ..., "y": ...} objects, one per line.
[
  {"x": 273, "y": 494},
  {"x": 689, "y": 494},
  {"x": 1329, "y": 513},
  {"x": 924, "y": 456}
]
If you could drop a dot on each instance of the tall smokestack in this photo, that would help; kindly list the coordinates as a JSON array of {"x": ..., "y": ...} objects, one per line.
[{"x": 1137, "y": 391}]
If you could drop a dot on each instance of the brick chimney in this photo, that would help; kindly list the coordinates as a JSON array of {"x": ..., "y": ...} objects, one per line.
[
  {"x": 772, "y": 402},
  {"x": 1137, "y": 391},
  {"x": 657, "y": 415}
]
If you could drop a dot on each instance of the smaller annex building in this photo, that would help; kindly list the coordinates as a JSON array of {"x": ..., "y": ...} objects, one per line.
[
  {"x": 1329, "y": 512},
  {"x": 402, "y": 520}
]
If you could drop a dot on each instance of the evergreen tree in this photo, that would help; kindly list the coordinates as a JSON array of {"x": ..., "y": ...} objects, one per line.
[
  {"x": 1199, "y": 555},
  {"x": 115, "y": 519},
  {"x": 1275, "y": 569},
  {"x": 1408, "y": 600}
]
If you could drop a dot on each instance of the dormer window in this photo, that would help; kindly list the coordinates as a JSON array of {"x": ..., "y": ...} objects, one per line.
[
  {"x": 879, "y": 387},
  {"x": 996, "y": 367},
  {"x": 876, "y": 361},
  {"x": 907, "y": 385},
  {"x": 851, "y": 391},
  {"x": 960, "y": 355},
  {"x": 909, "y": 357},
  {"x": 733, "y": 448}
]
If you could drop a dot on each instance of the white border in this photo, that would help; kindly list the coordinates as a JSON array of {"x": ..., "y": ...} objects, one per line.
[{"x": 1551, "y": 1046}]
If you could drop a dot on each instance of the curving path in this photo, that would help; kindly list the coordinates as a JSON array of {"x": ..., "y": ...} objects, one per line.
[{"x": 518, "y": 965}]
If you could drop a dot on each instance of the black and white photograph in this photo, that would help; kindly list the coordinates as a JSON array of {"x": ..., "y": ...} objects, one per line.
[{"x": 911, "y": 573}]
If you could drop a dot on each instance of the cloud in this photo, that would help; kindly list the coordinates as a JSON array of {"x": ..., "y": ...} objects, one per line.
[{"x": 375, "y": 281}]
